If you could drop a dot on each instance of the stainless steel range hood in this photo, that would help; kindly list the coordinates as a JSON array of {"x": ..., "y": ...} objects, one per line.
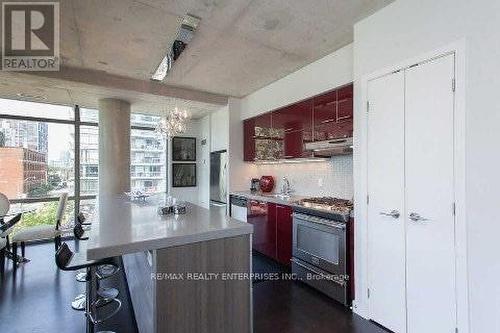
[{"x": 329, "y": 148}]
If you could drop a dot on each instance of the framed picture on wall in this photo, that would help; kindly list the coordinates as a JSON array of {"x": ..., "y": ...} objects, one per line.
[
  {"x": 183, "y": 149},
  {"x": 183, "y": 174}
]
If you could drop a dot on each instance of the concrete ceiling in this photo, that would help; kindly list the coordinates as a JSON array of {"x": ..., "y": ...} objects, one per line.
[
  {"x": 110, "y": 48},
  {"x": 57, "y": 91},
  {"x": 240, "y": 45}
]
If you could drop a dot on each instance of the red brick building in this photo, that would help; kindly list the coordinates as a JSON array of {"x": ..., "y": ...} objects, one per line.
[{"x": 21, "y": 170}]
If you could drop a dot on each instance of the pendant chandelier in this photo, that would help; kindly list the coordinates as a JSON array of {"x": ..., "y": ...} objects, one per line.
[{"x": 172, "y": 124}]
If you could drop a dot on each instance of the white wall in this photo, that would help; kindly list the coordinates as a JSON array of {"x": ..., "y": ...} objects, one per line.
[
  {"x": 329, "y": 72},
  {"x": 329, "y": 178},
  {"x": 189, "y": 194},
  {"x": 219, "y": 129},
  {"x": 214, "y": 127},
  {"x": 204, "y": 163},
  {"x": 240, "y": 172},
  {"x": 406, "y": 29}
]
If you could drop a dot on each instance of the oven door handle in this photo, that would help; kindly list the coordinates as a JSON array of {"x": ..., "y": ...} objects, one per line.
[
  {"x": 336, "y": 226},
  {"x": 320, "y": 221},
  {"x": 315, "y": 271}
]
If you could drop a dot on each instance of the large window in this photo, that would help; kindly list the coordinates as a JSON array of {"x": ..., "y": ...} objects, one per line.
[
  {"x": 148, "y": 170},
  {"x": 38, "y": 145},
  {"x": 89, "y": 159}
]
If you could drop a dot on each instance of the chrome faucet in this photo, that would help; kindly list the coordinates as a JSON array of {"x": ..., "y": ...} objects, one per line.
[{"x": 285, "y": 187}]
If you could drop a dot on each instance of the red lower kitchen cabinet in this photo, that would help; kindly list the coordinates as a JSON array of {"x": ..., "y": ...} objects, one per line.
[
  {"x": 272, "y": 230},
  {"x": 269, "y": 241},
  {"x": 283, "y": 234},
  {"x": 262, "y": 216}
]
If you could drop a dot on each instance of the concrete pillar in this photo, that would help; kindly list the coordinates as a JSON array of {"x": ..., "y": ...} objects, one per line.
[{"x": 114, "y": 147}]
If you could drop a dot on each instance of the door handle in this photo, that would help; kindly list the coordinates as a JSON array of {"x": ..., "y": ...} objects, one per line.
[
  {"x": 416, "y": 217},
  {"x": 394, "y": 214}
]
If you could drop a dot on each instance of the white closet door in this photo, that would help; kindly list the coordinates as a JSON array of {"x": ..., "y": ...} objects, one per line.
[
  {"x": 386, "y": 240},
  {"x": 431, "y": 299}
]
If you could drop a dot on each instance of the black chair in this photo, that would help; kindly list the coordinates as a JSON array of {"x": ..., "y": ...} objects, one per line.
[
  {"x": 5, "y": 246},
  {"x": 68, "y": 260}
]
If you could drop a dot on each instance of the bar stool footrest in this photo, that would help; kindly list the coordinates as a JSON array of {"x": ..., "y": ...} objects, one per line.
[{"x": 95, "y": 319}]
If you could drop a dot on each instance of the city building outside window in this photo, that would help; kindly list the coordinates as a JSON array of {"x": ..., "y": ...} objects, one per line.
[
  {"x": 38, "y": 144},
  {"x": 148, "y": 170},
  {"x": 37, "y": 159}
]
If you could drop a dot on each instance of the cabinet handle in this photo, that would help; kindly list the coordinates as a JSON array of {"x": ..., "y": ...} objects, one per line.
[
  {"x": 337, "y": 141},
  {"x": 415, "y": 217},
  {"x": 394, "y": 214}
]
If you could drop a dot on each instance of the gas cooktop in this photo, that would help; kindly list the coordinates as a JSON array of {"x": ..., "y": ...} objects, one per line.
[{"x": 338, "y": 209}]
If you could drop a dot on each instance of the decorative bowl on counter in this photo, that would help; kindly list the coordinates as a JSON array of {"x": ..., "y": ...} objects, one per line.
[
  {"x": 266, "y": 184},
  {"x": 172, "y": 206}
]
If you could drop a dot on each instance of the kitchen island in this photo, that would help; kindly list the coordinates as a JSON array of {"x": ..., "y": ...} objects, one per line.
[{"x": 185, "y": 273}]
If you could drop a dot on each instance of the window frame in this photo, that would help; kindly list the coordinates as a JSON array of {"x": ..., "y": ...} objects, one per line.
[
  {"x": 77, "y": 123},
  {"x": 165, "y": 143}
]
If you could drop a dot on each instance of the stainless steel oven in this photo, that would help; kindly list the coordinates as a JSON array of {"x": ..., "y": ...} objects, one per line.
[{"x": 319, "y": 254}]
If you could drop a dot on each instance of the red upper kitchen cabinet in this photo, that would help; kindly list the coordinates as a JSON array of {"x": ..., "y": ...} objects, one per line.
[
  {"x": 294, "y": 117},
  {"x": 249, "y": 140},
  {"x": 345, "y": 112},
  {"x": 284, "y": 234},
  {"x": 325, "y": 115},
  {"x": 293, "y": 124},
  {"x": 333, "y": 114},
  {"x": 345, "y": 103},
  {"x": 293, "y": 145},
  {"x": 256, "y": 132}
]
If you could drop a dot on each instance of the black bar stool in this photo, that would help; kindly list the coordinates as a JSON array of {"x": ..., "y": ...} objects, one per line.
[
  {"x": 68, "y": 260},
  {"x": 103, "y": 271},
  {"x": 81, "y": 219}
]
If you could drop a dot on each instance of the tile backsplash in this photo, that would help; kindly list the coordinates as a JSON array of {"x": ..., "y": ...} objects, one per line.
[{"x": 330, "y": 178}]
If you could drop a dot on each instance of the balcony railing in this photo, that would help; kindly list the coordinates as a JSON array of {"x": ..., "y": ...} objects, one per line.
[
  {"x": 147, "y": 148},
  {"x": 146, "y": 174}
]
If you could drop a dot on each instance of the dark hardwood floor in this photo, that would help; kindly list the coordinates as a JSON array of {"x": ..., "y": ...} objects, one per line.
[
  {"x": 293, "y": 307},
  {"x": 36, "y": 298}
]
